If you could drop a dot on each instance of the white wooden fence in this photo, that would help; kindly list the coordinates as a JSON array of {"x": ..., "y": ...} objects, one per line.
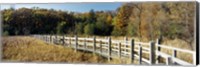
[{"x": 121, "y": 49}]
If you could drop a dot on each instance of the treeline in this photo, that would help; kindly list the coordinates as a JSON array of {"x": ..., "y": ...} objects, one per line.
[
  {"x": 26, "y": 21},
  {"x": 144, "y": 20}
]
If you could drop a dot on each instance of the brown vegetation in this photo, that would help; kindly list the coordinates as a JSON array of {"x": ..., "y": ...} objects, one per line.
[{"x": 26, "y": 49}]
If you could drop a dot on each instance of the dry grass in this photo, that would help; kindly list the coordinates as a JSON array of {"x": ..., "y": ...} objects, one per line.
[
  {"x": 179, "y": 44},
  {"x": 26, "y": 49}
]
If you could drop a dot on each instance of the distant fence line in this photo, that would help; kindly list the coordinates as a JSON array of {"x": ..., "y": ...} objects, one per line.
[{"x": 121, "y": 49}]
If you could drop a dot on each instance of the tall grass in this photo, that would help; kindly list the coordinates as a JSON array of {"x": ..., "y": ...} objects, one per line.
[{"x": 26, "y": 49}]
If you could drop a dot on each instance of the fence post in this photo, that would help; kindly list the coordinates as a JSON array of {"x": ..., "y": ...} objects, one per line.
[
  {"x": 126, "y": 42},
  {"x": 174, "y": 55},
  {"x": 194, "y": 58},
  {"x": 63, "y": 40},
  {"x": 38, "y": 36},
  {"x": 41, "y": 37},
  {"x": 53, "y": 38},
  {"x": 158, "y": 49},
  {"x": 132, "y": 50},
  {"x": 85, "y": 44},
  {"x": 76, "y": 43},
  {"x": 70, "y": 42},
  {"x": 57, "y": 40},
  {"x": 168, "y": 60},
  {"x": 50, "y": 38},
  {"x": 56, "y": 37},
  {"x": 94, "y": 44},
  {"x": 140, "y": 54},
  {"x": 126, "y": 39},
  {"x": 109, "y": 49},
  {"x": 45, "y": 38},
  {"x": 100, "y": 46},
  {"x": 152, "y": 53},
  {"x": 119, "y": 47}
]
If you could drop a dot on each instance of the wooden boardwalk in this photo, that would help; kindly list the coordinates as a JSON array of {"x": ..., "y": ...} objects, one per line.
[{"x": 125, "y": 50}]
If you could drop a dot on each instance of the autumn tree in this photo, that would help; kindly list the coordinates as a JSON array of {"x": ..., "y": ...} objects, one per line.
[
  {"x": 121, "y": 20},
  {"x": 150, "y": 21}
]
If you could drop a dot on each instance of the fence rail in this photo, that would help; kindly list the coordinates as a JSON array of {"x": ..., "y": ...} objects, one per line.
[{"x": 121, "y": 49}]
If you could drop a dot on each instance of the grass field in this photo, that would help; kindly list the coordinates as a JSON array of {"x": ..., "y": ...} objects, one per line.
[{"x": 27, "y": 49}]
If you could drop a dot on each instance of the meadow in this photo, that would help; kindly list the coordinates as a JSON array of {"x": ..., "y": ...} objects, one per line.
[{"x": 27, "y": 49}]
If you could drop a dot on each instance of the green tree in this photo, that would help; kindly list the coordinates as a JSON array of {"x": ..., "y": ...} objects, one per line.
[
  {"x": 80, "y": 28},
  {"x": 91, "y": 18},
  {"x": 89, "y": 29}
]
